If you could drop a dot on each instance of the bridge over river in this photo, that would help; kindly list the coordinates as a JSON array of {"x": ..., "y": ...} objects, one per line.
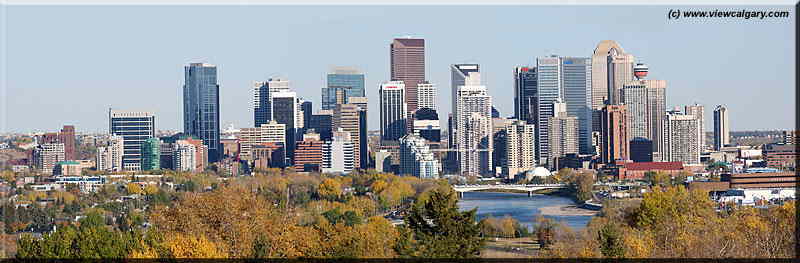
[{"x": 530, "y": 188}]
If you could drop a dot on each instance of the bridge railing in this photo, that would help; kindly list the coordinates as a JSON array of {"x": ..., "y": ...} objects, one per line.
[{"x": 506, "y": 185}]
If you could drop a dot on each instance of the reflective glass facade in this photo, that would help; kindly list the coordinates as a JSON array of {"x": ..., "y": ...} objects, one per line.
[
  {"x": 352, "y": 84},
  {"x": 201, "y": 106}
]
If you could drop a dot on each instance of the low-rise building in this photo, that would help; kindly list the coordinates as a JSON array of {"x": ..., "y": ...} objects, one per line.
[
  {"x": 268, "y": 155},
  {"x": 779, "y": 155},
  {"x": 636, "y": 171},
  {"x": 85, "y": 183},
  {"x": 761, "y": 180},
  {"x": 68, "y": 168}
]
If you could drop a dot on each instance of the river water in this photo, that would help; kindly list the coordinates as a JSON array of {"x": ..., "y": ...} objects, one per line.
[{"x": 519, "y": 206}]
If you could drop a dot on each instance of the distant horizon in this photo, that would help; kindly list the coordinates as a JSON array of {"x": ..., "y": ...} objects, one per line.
[{"x": 118, "y": 60}]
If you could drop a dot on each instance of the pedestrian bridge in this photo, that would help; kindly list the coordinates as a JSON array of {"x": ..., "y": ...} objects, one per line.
[{"x": 530, "y": 188}]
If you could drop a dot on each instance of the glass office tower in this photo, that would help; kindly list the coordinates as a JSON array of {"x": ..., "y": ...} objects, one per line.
[{"x": 201, "y": 106}]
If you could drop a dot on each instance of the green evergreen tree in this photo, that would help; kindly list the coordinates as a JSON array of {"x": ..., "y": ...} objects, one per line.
[
  {"x": 610, "y": 239},
  {"x": 436, "y": 229}
]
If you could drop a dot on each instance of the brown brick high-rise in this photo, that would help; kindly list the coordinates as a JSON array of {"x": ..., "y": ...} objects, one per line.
[
  {"x": 407, "y": 58},
  {"x": 67, "y": 136},
  {"x": 614, "y": 144},
  {"x": 308, "y": 153}
]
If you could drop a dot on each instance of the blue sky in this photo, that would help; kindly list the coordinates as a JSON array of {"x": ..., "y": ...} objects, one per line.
[{"x": 68, "y": 64}]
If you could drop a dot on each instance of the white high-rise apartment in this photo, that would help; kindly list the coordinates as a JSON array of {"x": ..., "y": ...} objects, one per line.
[
  {"x": 109, "y": 158},
  {"x": 473, "y": 127},
  {"x": 520, "y": 150},
  {"x": 416, "y": 158},
  {"x": 393, "y": 110},
  {"x": 645, "y": 102},
  {"x": 475, "y": 145},
  {"x": 338, "y": 155},
  {"x": 266, "y": 133},
  {"x": 722, "y": 127},
  {"x": 426, "y": 96},
  {"x": 101, "y": 160},
  {"x": 681, "y": 143},
  {"x": 697, "y": 111},
  {"x": 563, "y": 134},
  {"x": 45, "y": 157}
]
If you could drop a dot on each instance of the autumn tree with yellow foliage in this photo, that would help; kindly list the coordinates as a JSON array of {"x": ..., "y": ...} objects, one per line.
[{"x": 673, "y": 222}]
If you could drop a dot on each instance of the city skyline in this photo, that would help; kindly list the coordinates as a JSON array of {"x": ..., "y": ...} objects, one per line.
[{"x": 79, "y": 90}]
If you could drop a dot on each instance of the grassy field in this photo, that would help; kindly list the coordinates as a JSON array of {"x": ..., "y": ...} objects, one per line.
[{"x": 523, "y": 247}]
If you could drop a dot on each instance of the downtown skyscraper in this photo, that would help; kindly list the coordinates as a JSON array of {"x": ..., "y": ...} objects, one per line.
[
  {"x": 393, "y": 107},
  {"x": 285, "y": 111},
  {"x": 567, "y": 79},
  {"x": 611, "y": 68},
  {"x": 262, "y": 98},
  {"x": 473, "y": 125},
  {"x": 343, "y": 82},
  {"x": 525, "y": 94},
  {"x": 645, "y": 100},
  {"x": 201, "y": 106},
  {"x": 407, "y": 64}
]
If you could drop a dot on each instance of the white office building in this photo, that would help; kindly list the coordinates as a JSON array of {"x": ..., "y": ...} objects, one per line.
[
  {"x": 338, "y": 155},
  {"x": 184, "y": 156},
  {"x": 426, "y": 96},
  {"x": 393, "y": 110}
]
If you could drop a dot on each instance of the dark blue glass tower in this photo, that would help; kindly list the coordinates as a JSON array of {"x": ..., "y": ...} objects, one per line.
[{"x": 201, "y": 106}]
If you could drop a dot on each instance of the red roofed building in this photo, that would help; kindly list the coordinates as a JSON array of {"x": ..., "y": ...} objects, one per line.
[{"x": 631, "y": 170}]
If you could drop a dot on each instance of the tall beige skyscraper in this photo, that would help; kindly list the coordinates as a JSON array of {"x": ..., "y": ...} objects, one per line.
[
  {"x": 697, "y": 111},
  {"x": 519, "y": 148},
  {"x": 611, "y": 68},
  {"x": 722, "y": 128}
]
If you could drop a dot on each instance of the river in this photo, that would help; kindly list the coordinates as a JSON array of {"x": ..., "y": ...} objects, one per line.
[{"x": 519, "y": 206}]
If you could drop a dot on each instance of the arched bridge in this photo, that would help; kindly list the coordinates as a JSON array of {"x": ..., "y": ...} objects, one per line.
[{"x": 530, "y": 188}]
